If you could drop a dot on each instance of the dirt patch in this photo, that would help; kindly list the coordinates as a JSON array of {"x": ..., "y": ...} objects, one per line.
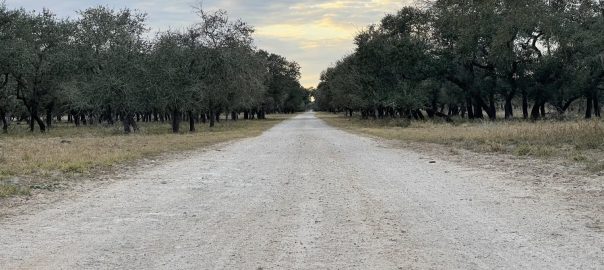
[{"x": 304, "y": 195}]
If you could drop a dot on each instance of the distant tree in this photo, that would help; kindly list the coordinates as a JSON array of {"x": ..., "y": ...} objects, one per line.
[
  {"x": 282, "y": 84},
  {"x": 101, "y": 67},
  {"x": 171, "y": 76},
  {"x": 222, "y": 42},
  {"x": 473, "y": 57},
  {"x": 38, "y": 61},
  {"x": 111, "y": 51}
]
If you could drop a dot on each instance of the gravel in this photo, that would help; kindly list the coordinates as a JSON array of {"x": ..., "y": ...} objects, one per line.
[{"x": 307, "y": 196}]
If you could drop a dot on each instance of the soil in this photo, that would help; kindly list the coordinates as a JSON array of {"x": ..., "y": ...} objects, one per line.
[{"x": 305, "y": 195}]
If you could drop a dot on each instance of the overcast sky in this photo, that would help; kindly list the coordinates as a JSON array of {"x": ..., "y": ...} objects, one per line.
[{"x": 314, "y": 33}]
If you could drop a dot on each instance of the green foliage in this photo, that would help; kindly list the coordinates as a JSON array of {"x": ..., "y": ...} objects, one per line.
[
  {"x": 100, "y": 68},
  {"x": 473, "y": 58}
]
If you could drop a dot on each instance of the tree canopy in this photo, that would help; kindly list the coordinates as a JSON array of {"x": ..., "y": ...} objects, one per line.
[
  {"x": 104, "y": 66},
  {"x": 473, "y": 59}
]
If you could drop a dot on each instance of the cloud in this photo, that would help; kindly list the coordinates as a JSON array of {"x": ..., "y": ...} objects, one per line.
[
  {"x": 314, "y": 33},
  {"x": 323, "y": 29}
]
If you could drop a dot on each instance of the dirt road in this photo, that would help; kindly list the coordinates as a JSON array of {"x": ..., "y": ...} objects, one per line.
[{"x": 307, "y": 196}]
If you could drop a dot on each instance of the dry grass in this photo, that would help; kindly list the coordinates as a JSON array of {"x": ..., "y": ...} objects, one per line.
[
  {"x": 69, "y": 150},
  {"x": 7, "y": 190},
  {"x": 577, "y": 141}
]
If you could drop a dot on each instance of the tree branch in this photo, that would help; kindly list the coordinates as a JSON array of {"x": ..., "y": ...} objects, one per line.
[
  {"x": 534, "y": 44},
  {"x": 485, "y": 67},
  {"x": 457, "y": 82},
  {"x": 5, "y": 82}
]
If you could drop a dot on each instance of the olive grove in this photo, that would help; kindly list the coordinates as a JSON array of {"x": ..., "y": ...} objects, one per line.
[
  {"x": 474, "y": 59},
  {"x": 102, "y": 67}
]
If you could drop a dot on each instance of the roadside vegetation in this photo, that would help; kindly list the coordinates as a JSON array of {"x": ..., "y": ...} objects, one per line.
[
  {"x": 38, "y": 161},
  {"x": 103, "y": 66},
  {"x": 81, "y": 94},
  {"x": 474, "y": 60},
  {"x": 491, "y": 76},
  {"x": 576, "y": 141}
]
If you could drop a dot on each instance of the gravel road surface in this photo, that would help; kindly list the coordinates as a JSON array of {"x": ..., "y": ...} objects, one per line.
[{"x": 305, "y": 195}]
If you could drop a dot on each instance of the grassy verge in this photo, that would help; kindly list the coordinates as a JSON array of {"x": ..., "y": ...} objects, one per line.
[
  {"x": 67, "y": 150},
  {"x": 577, "y": 141}
]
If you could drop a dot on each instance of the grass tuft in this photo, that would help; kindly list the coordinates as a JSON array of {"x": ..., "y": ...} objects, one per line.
[
  {"x": 9, "y": 190},
  {"x": 542, "y": 139}
]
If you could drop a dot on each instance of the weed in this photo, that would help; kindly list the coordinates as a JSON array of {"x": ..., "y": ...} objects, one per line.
[
  {"x": 523, "y": 150},
  {"x": 9, "y": 190},
  {"x": 595, "y": 166},
  {"x": 578, "y": 157}
]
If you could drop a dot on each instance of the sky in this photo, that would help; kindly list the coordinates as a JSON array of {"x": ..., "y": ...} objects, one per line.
[{"x": 314, "y": 33}]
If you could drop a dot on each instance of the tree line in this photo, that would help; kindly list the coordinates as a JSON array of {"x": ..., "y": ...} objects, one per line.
[
  {"x": 103, "y": 67},
  {"x": 473, "y": 59}
]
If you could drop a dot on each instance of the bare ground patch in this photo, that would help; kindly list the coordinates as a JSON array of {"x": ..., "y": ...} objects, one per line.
[
  {"x": 563, "y": 157},
  {"x": 43, "y": 168}
]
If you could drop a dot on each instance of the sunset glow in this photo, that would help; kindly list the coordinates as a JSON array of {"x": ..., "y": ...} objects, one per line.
[{"x": 312, "y": 33}]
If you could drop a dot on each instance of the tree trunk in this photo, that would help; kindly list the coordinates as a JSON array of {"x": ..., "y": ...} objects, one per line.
[
  {"x": 419, "y": 115},
  {"x": 414, "y": 114},
  {"x": 212, "y": 117},
  {"x": 49, "y": 109},
  {"x": 75, "y": 119},
  {"x": 535, "y": 112},
  {"x": 596, "y": 101},
  {"x": 433, "y": 108},
  {"x": 110, "y": 118},
  {"x": 133, "y": 123},
  {"x": 478, "y": 109},
  {"x": 469, "y": 109},
  {"x": 261, "y": 114},
  {"x": 4, "y": 121},
  {"x": 128, "y": 121},
  {"x": 430, "y": 112},
  {"x": 31, "y": 122},
  {"x": 126, "y": 125},
  {"x": 34, "y": 117},
  {"x": 175, "y": 121},
  {"x": 525, "y": 113},
  {"x": 41, "y": 124},
  {"x": 508, "y": 108},
  {"x": 588, "y": 108},
  {"x": 492, "y": 107},
  {"x": 380, "y": 112},
  {"x": 191, "y": 122}
]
